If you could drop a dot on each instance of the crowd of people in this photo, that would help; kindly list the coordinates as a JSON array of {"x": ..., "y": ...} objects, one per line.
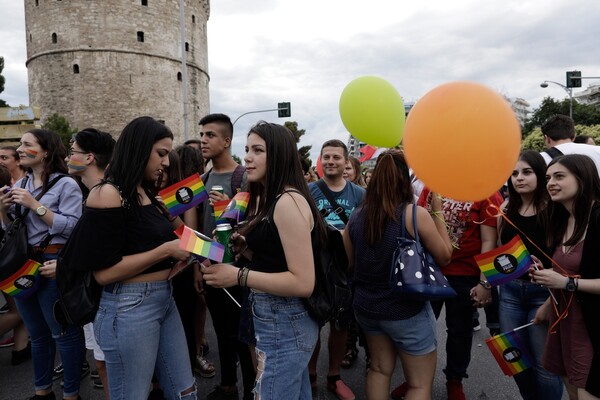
[{"x": 96, "y": 207}]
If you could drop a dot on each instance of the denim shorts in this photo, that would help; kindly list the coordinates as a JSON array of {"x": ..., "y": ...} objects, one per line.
[{"x": 414, "y": 336}]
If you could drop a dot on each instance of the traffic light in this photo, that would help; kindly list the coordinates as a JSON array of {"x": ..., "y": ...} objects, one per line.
[
  {"x": 573, "y": 79},
  {"x": 284, "y": 110}
]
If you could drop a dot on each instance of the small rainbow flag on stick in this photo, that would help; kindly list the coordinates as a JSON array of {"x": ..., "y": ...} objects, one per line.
[
  {"x": 236, "y": 209},
  {"x": 24, "y": 282},
  {"x": 509, "y": 352},
  {"x": 505, "y": 263},
  {"x": 219, "y": 207},
  {"x": 184, "y": 195},
  {"x": 196, "y": 243}
]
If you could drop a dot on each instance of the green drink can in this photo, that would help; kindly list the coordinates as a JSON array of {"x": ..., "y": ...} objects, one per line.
[{"x": 224, "y": 232}]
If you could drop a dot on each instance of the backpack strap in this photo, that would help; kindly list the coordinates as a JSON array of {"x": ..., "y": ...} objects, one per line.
[
  {"x": 48, "y": 238},
  {"x": 236, "y": 179},
  {"x": 339, "y": 210},
  {"x": 553, "y": 152}
]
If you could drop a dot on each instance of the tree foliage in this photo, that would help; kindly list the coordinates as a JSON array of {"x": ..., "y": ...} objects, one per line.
[
  {"x": 304, "y": 150},
  {"x": 61, "y": 126},
  {"x": 2, "y": 81},
  {"x": 583, "y": 114},
  {"x": 535, "y": 139}
]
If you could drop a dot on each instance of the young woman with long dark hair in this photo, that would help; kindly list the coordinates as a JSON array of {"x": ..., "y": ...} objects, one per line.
[{"x": 283, "y": 224}]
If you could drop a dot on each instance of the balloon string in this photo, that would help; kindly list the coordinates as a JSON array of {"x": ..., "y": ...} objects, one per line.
[{"x": 565, "y": 313}]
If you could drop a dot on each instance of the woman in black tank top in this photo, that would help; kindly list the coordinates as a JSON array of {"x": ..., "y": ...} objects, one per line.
[{"x": 282, "y": 222}]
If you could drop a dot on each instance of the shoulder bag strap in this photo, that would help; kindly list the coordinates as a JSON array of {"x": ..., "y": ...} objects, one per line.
[
  {"x": 337, "y": 209},
  {"x": 20, "y": 214},
  {"x": 46, "y": 241},
  {"x": 553, "y": 152}
]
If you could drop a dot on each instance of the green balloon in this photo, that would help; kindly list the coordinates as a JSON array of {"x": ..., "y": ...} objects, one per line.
[{"x": 372, "y": 111}]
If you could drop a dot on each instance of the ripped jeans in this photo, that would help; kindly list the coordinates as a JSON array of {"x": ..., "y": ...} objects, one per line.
[{"x": 285, "y": 339}]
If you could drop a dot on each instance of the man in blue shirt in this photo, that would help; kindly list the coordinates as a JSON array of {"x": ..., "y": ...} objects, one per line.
[{"x": 348, "y": 196}]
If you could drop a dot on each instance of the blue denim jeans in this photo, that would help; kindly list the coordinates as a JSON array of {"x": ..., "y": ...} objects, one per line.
[
  {"x": 519, "y": 301},
  {"x": 140, "y": 332},
  {"x": 459, "y": 325},
  {"x": 285, "y": 339},
  {"x": 46, "y": 333}
]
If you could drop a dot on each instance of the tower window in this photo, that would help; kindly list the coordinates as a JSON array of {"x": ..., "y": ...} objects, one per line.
[
  {"x": 179, "y": 76},
  {"x": 37, "y": 3},
  {"x": 187, "y": 46},
  {"x": 140, "y": 36},
  {"x": 75, "y": 68},
  {"x": 54, "y": 38},
  {"x": 144, "y": 2},
  {"x": 30, "y": 37},
  {"x": 193, "y": 19}
]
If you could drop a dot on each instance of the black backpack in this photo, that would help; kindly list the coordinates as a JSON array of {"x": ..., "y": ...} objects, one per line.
[{"x": 331, "y": 299}]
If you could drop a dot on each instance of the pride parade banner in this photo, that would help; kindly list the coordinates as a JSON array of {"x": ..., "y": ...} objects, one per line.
[
  {"x": 236, "y": 209},
  {"x": 24, "y": 282},
  {"x": 199, "y": 245},
  {"x": 505, "y": 263},
  {"x": 509, "y": 352},
  {"x": 184, "y": 195}
]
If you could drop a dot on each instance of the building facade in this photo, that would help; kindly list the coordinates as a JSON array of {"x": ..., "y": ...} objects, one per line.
[
  {"x": 101, "y": 63},
  {"x": 590, "y": 96}
]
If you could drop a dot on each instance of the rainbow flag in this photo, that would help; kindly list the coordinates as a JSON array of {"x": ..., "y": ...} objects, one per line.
[
  {"x": 236, "y": 209},
  {"x": 24, "y": 282},
  {"x": 184, "y": 195},
  {"x": 219, "y": 207},
  {"x": 200, "y": 245},
  {"x": 505, "y": 263},
  {"x": 509, "y": 352}
]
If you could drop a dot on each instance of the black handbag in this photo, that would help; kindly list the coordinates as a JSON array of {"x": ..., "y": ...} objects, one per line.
[
  {"x": 14, "y": 247},
  {"x": 414, "y": 274}
]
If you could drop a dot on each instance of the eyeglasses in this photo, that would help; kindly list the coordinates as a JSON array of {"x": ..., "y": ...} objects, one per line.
[{"x": 70, "y": 152}]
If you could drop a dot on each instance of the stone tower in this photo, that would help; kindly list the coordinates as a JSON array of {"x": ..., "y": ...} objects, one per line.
[{"x": 101, "y": 63}]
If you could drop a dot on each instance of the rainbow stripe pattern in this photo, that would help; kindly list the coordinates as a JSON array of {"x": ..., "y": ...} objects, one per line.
[
  {"x": 509, "y": 352},
  {"x": 24, "y": 282},
  {"x": 76, "y": 165},
  {"x": 505, "y": 263},
  {"x": 184, "y": 195},
  {"x": 219, "y": 207},
  {"x": 236, "y": 209},
  {"x": 189, "y": 240},
  {"x": 30, "y": 153}
]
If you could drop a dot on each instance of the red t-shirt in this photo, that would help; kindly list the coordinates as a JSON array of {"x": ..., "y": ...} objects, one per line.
[{"x": 464, "y": 219}]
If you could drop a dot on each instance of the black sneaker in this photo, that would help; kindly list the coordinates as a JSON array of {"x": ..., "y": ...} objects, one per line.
[
  {"x": 49, "y": 396},
  {"x": 58, "y": 372},
  {"x": 4, "y": 309},
  {"x": 20, "y": 356},
  {"x": 98, "y": 384},
  {"x": 94, "y": 374}
]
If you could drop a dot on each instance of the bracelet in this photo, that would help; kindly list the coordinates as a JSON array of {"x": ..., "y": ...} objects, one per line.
[
  {"x": 245, "y": 277},
  {"x": 239, "y": 276}
]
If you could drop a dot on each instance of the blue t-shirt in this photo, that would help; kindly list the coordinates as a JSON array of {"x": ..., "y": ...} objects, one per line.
[{"x": 349, "y": 198}]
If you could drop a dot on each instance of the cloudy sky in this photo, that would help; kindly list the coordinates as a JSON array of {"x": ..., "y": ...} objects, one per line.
[{"x": 262, "y": 52}]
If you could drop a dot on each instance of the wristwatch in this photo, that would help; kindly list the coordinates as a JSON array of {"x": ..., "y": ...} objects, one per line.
[
  {"x": 41, "y": 211},
  {"x": 485, "y": 284},
  {"x": 571, "y": 285}
]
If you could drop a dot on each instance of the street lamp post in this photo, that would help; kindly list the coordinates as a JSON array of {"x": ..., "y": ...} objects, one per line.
[
  {"x": 284, "y": 110},
  {"x": 567, "y": 89}
]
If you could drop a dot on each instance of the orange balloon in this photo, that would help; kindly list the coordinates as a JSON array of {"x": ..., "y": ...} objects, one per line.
[
  {"x": 319, "y": 167},
  {"x": 462, "y": 140}
]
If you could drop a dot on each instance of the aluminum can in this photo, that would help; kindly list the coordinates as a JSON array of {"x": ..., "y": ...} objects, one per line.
[
  {"x": 217, "y": 188},
  {"x": 223, "y": 233}
]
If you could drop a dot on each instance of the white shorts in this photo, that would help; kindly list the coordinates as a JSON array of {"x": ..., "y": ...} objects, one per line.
[{"x": 91, "y": 343}]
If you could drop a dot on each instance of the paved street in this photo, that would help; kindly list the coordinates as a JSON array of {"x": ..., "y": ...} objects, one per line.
[{"x": 486, "y": 380}]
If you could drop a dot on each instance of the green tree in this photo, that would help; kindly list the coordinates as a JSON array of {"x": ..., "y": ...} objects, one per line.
[
  {"x": 583, "y": 114},
  {"x": 61, "y": 126},
  {"x": 237, "y": 159},
  {"x": 304, "y": 150},
  {"x": 2, "y": 81}
]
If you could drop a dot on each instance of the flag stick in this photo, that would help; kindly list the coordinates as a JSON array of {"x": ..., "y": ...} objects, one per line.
[
  {"x": 234, "y": 300},
  {"x": 523, "y": 326}
]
